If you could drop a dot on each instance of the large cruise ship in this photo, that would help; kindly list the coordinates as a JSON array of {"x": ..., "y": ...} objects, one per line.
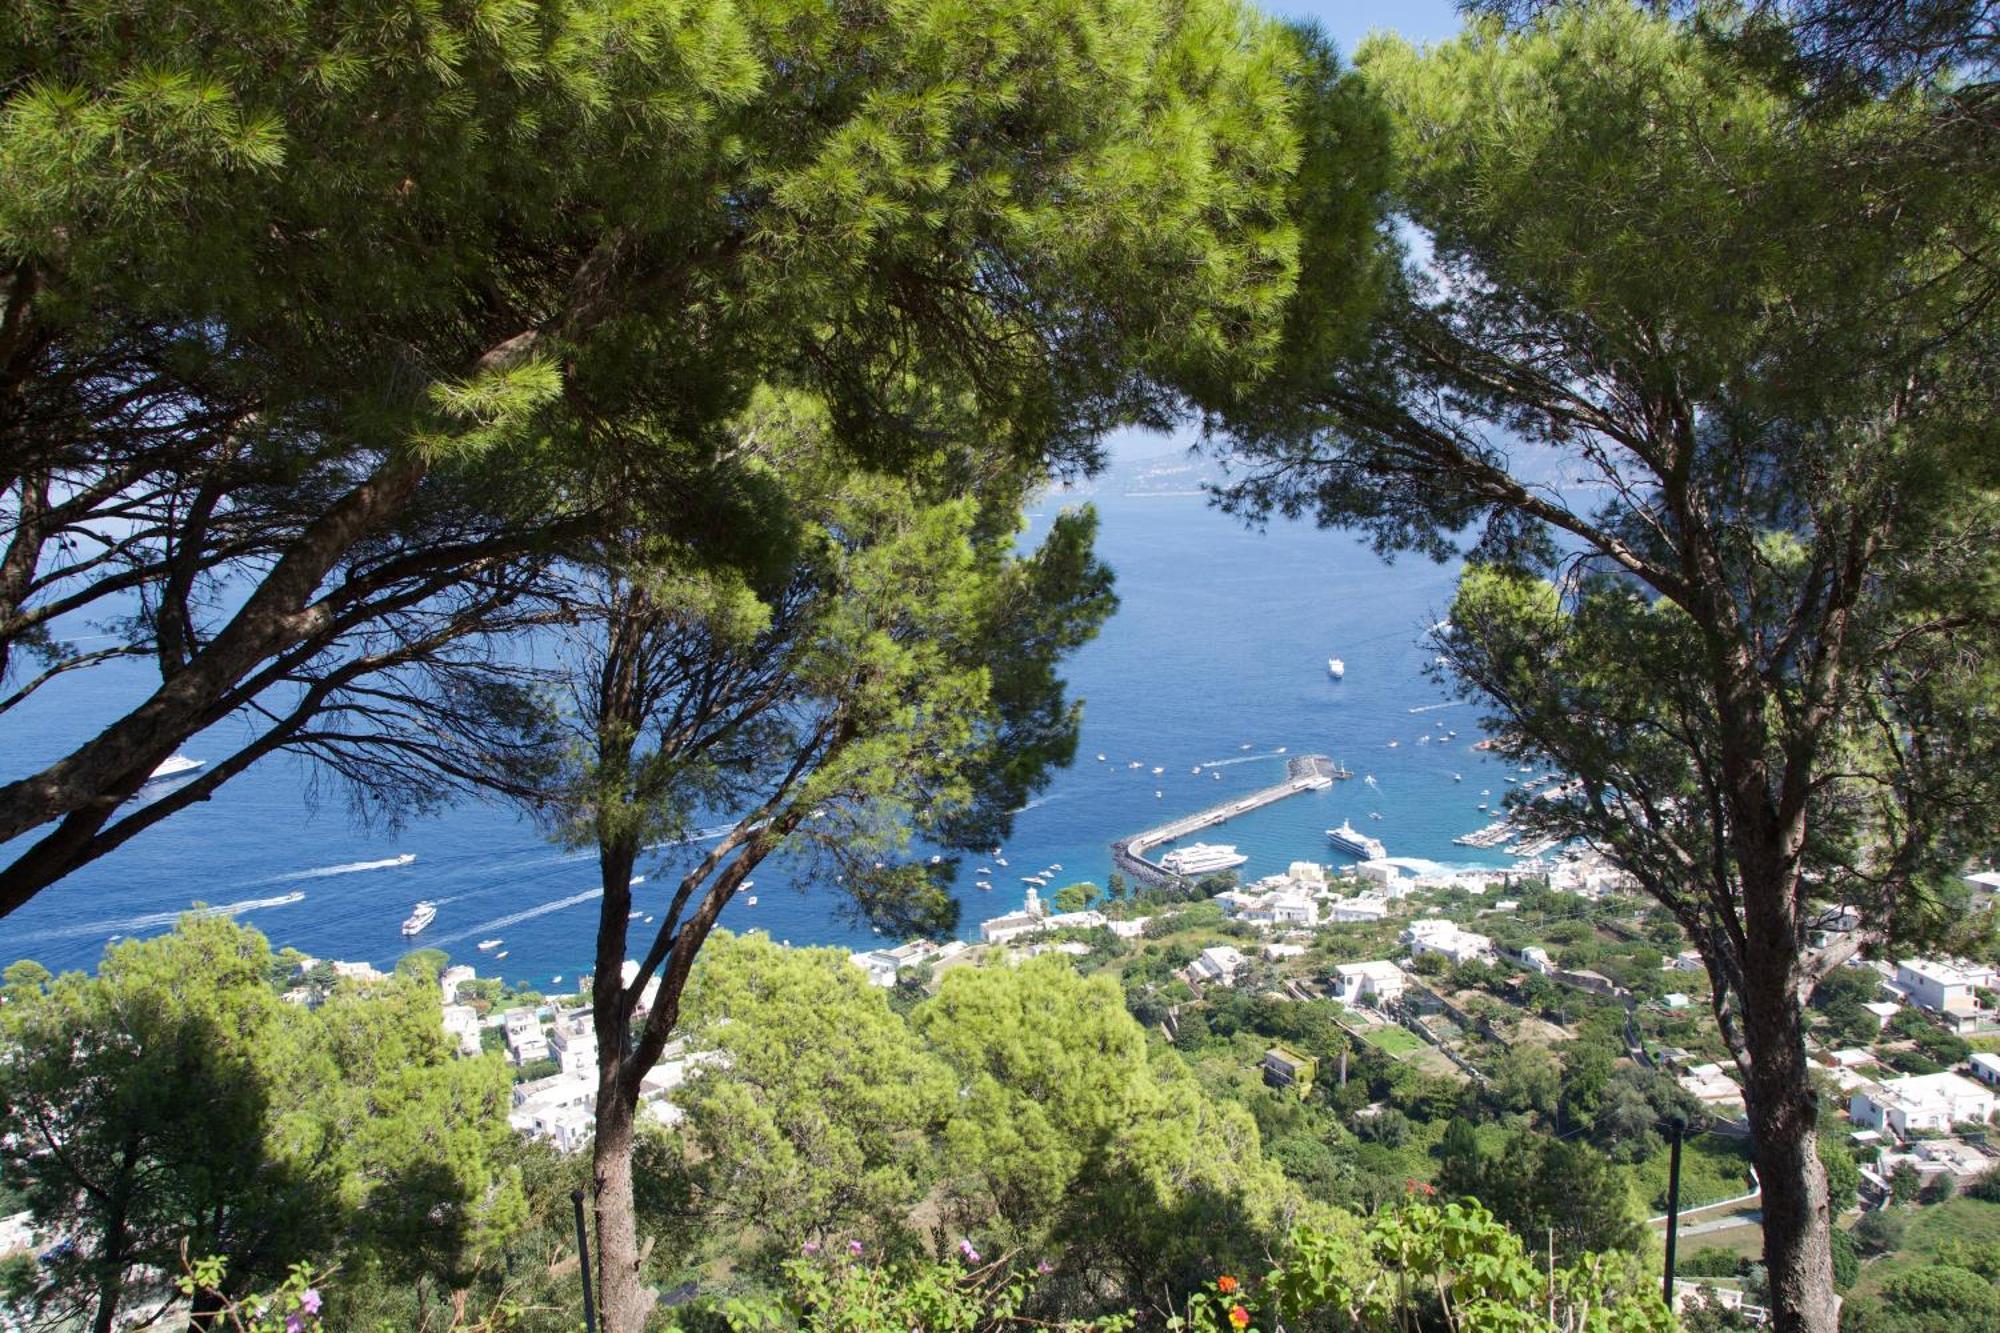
[
  {"x": 425, "y": 913},
  {"x": 1203, "y": 858},
  {"x": 1356, "y": 843}
]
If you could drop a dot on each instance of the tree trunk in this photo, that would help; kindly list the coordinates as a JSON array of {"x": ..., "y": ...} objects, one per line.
[
  {"x": 1784, "y": 1118},
  {"x": 624, "y": 1300}
]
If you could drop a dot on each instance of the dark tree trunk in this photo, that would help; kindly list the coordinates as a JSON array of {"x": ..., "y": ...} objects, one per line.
[
  {"x": 624, "y": 1299},
  {"x": 1784, "y": 1119}
]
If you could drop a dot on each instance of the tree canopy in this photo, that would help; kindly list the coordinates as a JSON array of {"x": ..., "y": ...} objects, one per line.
[
  {"x": 1697, "y": 386},
  {"x": 325, "y": 337}
]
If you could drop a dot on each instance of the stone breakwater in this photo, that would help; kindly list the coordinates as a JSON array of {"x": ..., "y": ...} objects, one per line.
[{"x": 1306, "y": 772}]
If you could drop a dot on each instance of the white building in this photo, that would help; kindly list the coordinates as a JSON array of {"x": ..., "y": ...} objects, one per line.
[
  {"x": 1938, "y": 987},
  {"x": 1986, "y": 1068},
  {"x": 525, "y": 1042},
  {"x": 1276, "y": 907},
  {"x": 1309, "y": 876},
  {"x": 1378, "y": 982},
  {"x": 1277, "y": 953},
  {"x": 573, "y": 1043},
  {"x": 1536, "y": 959},
  {"x": 1447, "y": 940},
  {"x": 452, "y": 979},
  {"x": 1086, "y": 920},
  {"x": 1130, "y": 930},
  {"x": 1708, "y": 1083},
  {"x": 461, "y": 1023},
  {"x": 557, "y": 1108},
  {"x": 1920, "y": 1101},
  {"x": 879, "y": 966},
  {"x": 1218, "y": 965},
  {"x": 1365, "y": 907},
  {"x": 1387, "y": 874}
]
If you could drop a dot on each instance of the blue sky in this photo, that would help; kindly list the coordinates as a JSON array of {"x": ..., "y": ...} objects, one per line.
[{"x": 1348, "y": 21}]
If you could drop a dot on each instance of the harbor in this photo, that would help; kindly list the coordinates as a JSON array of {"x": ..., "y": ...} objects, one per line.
[{"x": 1303, "y": 773}]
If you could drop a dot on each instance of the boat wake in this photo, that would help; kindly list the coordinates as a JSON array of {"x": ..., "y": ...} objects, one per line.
[
  {"x": 1241, "y": 759},
  {"x": 153, "y": 920},
  {"x": 1432, "y": 708},
  {"x": 350, "y": 868},
  {"x": 516, "y": 918},
  {"x": 1370, "y": 781}
]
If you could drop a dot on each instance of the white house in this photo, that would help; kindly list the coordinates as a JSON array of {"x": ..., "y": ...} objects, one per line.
[
  {"x": 1218, "y": 964},
  {"x": 1365, "y": 907},
  {"x": 1446, "y": 939},
  {"x": 1920, "y": 1101},
  {"x": 1385, "y": 873},
  {"x": 1986, "y": 1067},
  {"x": 1307, "y": 875},
  {"x": 1000, "y": 929},
  {"x": 525, "y": 1042},
  {"x": 1076, "y": 921},
  {"x": 1708, "y": 1083},
  {"x": 573, "y": 1043},
  {"x": 1379, "y": 982},
  {"x": 1130, "y": 930},
  {"x": 1277, "y": 907},
  {"x": 461, "y": 1022},
  {"x": 1936, "y": 986},
  {"x": 879, "y": 966},
  {"x": 557, "y": 1108},
  {"x": 1279, "y": 952},
  {"x": 1536, "y": 959},
  {"x": 451, "y": 980}
]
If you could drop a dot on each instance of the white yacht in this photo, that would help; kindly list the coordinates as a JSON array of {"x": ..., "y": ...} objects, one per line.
[
  {"x": 173, "y": 767},
  {"x": 751, "y": 901},
  {"x": 487, "y": 946},
  {"x": 1356, "y": 843},
  {"x": 424, "y": 913},
  {"x": 1335, "y": 667},
  {"x": 1157, "y": 770},
  {"x": 1203, "y": 858}
]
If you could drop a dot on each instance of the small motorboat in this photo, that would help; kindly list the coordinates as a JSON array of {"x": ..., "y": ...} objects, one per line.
[{"x": 489, "y": 945}]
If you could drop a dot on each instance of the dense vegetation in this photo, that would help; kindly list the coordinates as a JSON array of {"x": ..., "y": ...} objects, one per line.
[{"x": 717, "y": 344}]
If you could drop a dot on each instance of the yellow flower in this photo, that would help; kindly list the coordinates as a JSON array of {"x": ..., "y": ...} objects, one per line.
[{"x": 1239, "y": 1317}]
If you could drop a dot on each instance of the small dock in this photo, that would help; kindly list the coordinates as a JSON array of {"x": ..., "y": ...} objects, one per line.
[{"x": 1306, "y": 772}]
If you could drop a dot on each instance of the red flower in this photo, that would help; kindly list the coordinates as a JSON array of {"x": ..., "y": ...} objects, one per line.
[
  {"x": 1239, "y": 1316},
  {"x": 1225, "y": 1284}
]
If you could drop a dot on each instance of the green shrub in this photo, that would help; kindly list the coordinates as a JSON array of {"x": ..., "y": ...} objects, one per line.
[{"x": 1714, "y": 1261}]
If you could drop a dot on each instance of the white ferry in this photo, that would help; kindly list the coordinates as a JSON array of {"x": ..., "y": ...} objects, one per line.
[
  {"x": 1203, "y": 858},
  {"x": 173, "y": 767},
  {"x": 425, "y": 913},
  {"x": 1350, "y": 840},
  {"x": 1335, "y": 667}
]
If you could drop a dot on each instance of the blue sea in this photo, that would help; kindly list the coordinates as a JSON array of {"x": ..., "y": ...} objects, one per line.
[{"x": 1215, "y": 661}]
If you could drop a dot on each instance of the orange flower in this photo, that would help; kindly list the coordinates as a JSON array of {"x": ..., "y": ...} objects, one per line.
[
  {"x": 1225, "y": 1284},
  {"x": 1239, "y": 1317}
]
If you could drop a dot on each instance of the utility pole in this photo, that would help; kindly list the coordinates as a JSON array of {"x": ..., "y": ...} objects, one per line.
[
  {"x": 583, "y": 1260},
  {"x": 1676, "y": 1127}
]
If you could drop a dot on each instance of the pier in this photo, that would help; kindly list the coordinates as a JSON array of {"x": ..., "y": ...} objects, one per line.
[{"x": 1306, "y": 772}]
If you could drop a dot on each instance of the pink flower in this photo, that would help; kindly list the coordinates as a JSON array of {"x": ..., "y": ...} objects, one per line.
[
  {"x": 294, "y": 1324},
  {"x": 965, "y": 1248},
  {"x": 1044, "y": 1267},
  {"x": 854, "y": 1248},
  {"x": 309, "y": 1300},
  {"x": 809, "y": 1249}
]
